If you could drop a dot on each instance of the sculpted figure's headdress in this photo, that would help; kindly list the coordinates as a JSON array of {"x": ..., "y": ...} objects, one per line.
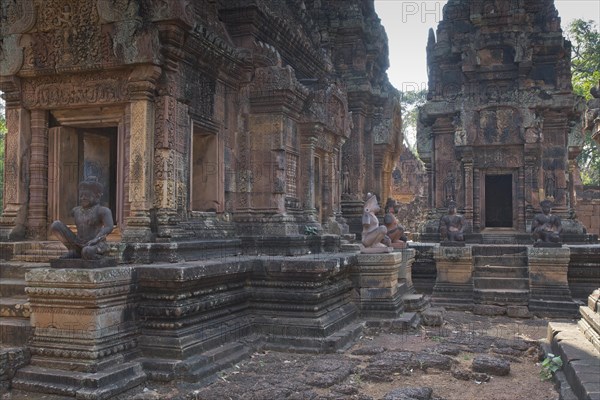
[
  {"x": 371, "y": 202},
  {"x": 92, "y": 186},
  {"x": 451, "y": 204},
  {"x": 546, "y": 203}
]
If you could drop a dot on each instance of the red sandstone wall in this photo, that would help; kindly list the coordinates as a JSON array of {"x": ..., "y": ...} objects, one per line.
[{"x": 588, "y": 208}]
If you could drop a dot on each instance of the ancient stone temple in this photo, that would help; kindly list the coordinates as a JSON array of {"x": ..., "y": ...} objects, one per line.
[
  {"x": 501, "y": 128},
  {"x": 227, "y": 136},
  {"x": 203, "y": 120}
]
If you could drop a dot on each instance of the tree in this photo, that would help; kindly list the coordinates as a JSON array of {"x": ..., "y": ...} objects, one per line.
[
  {"x": 585, "y": 69},
  {"x": 410, "y": 102}
]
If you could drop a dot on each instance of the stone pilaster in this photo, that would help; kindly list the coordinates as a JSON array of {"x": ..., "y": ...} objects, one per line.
[
  {"x": 141, "y": 155},
  {"x": 454, "y": 283},
  {"x": 405, "y": 273},
  {"x": 468, "y": 166},
  {"x": 376, "y": 277},
  {"x": 308, "y": 174},
  {"x": 18, "y": 138},
  {"x": 38, "y": 182},
  {"x": 548, "y": 285},
  {"x": 84, "y": 332}
]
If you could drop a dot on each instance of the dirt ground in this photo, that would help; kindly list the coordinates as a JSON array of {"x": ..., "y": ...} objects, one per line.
[
  {"x": 436, "y": 362},
  {"x": 438, "y": 358}
]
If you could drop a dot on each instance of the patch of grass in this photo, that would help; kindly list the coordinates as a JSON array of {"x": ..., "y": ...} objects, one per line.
[{"x": 550, "y": 365}]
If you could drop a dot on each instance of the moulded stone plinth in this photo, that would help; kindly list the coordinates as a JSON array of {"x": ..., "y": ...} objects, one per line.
[
  {"x": 548, "y": 285},
  {"x": 84, "y": 335},
  {"x": 79, "y": 263},
  {"x": 454, "y": 282},
  {"x": 376, "y": 277}
]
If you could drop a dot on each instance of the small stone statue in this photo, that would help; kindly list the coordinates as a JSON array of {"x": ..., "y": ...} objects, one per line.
[
  {"x": 373, "y": 235},
  {"x": 449, "y": 188},
  {"x": 395, "y": 231},
  {"x": 452, "y": 225},
  {"x": 94, "y": 222},
  {"x": 545, "y": 227}
]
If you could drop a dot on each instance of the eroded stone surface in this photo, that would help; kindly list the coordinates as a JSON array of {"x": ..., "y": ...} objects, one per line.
[{"x": 491, "y": 365}]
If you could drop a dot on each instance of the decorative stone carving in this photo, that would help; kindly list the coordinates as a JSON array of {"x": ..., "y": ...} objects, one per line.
[
  {"x": 546, "y": 227},
  {"x": 395, "y": 231},
  {"x": 374, "y": 237},
  {"x": 452, "y": 225},
  {"x": 93, "y": 221}
]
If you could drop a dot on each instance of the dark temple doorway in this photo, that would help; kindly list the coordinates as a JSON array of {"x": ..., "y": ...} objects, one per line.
[
  {"x": 77, "y": 154},
  {"x": 498, "y": 201}
]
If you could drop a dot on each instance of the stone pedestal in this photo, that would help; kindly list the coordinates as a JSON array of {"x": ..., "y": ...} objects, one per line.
[
  {"x": 84, "y": 333},
  {"x": 454, "y": 282},
  {"x": 548, "y": 285},
  {"x": 412, "y": 301},
  {"x": 379, "y": 288}
]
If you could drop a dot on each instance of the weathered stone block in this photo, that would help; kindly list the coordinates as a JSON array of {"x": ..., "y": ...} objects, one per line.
[{"x": 491, "y": 365}]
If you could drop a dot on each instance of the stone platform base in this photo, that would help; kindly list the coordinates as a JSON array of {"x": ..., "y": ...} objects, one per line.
[
  {"x": 120, "y": 380},
  {"x": 72, "y": 263},
  {"x": 580, "y": 359}
]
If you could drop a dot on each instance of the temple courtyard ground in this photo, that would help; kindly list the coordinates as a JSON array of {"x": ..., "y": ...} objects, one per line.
[{"x": 467, "y": 357}]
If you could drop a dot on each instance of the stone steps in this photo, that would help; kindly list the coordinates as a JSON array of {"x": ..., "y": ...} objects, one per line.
[
  {"x": 497, "y": 271},
  {"x": 12, "y": 287},
  {"x": 15, "y": 328},
  {"x": 201, "y": 367},
  {"x": 589, "y": 325},
  {"x": 501, "y": 284},
  {"x": 501, "y": 297},
  {"x": 14, "y": 307},
  {"x": 14, "y": 331},
  {"x": 580, "y": 358},
  {"x": 500, "y": 275},
  {"x": 506, "y": 260},
  {"x": 100, "y": 385},
  {"x": 218, "y": 359}
]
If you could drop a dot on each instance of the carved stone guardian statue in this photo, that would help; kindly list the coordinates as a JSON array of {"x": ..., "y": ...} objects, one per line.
[
  {"x": 374, "y": 238},
  {"x": 452, "y": 226},
  {"x": 546, "y": 227},
  {"x": 93, "y": 221},
  {"x": 395, "y": 231}
]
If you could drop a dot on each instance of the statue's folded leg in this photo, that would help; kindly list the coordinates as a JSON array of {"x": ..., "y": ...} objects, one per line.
[{"x": 66, "y": 236}]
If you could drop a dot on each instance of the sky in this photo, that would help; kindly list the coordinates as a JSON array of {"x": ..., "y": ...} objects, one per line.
[{"x": 407, "y": 25}]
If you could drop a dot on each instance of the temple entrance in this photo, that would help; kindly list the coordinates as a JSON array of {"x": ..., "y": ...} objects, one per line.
[
  {"x": 207, "y": 193},
  {"x": 75, "y": 155},
  {"x": 498, "y": 201}
]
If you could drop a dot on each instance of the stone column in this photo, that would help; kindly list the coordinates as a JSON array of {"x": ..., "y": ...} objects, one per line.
[
  {"x": 17, "y": 140},
  {"x": 520, "y": 200},
  {"x": 476, "y": 201},
  {"x": 548, "y": 285},
  {"x": 84, "y": 332},
  {"x": 141, "y": 155},
  {"x": 38, "y": 182},
  {"x": 468, "y": 165},
  {"x": 327, "y": 183},
  {"x": 376, "y": 278},
  {"x": 454, "y": 283},
  {"x": 308, "y": 174},
  {"x": 165, "y": 173}
]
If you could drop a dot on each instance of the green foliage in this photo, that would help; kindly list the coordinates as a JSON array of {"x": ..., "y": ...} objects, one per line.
[
  {"x": 550, "y": 365},
  {"x": 585, "y": 69},
  {"x": 310, "y": 230},
  {"x": 410, "y": 102},
  {"x": 585, "y": 56}
]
